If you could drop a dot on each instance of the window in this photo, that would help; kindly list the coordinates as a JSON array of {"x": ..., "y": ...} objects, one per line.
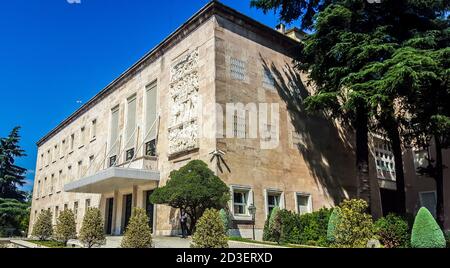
[
  {"x": 72, "y": 142},
  {"x": 87, "y": 204},
  {"x": 384, "y": 160},
  {"x": 150, "y": 148},
  {"x": 150, "y": 116},
  {"x": 42, "y": 161},
  {"x": 69, "y": 174},
  {"x": 429, "y": 200},
  {"x": 75, "y": 209},
  {"x": 237, "y": 69},
  {"x": 56, "y": 213},
  {"x": 420, "y": 159},
  {"x": 94, "y": 129},
  {"x": 83, "y": 137},
  {"x": 38, "y": 190},
  {"x": 49, "y": 157},
  {"x": 91, "y": 160},
  {"x": 114, "y": 137},
  {"x": 129, "y": 155},
  {"x": 44, "y": 188},
  {"x": 112, "y": 161},
  {"x": 273, "y": 201},
  {"x": 242, "y": 199},
  {"x": 62, "y": 150},
  {"x": 131, "y": 122},
  {"x": 80, "y": 172},
  {"x": 239, "y": 125},
  {"x": 55, "y": 152},
  {"x": 60, "y": 181},
  {"x": 268, "y": 80},
  {"x": 304, "y": 204},
  {"x": 66, "y": 206},
  {"x": 52, "y": 184}
]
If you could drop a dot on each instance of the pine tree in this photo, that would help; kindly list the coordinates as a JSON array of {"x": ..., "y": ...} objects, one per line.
[
  {"x": 138, "y": 233},
  {"x": 92, "y": 231},
  {"x": 66, "y": 227},
  {"x": 11, "y": 176}
]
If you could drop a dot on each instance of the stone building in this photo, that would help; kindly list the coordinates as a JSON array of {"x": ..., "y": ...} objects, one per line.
[{"x": 173, "y": 106}]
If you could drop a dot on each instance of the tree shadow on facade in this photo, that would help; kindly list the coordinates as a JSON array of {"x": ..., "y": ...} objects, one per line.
[{"x": 327, "y": 151}]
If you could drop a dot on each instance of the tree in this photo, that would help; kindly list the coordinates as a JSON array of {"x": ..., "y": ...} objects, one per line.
[
  {"x": 210, "y": 232},
  {"x": 43, "y": 227},
  {"x": 11, "y": 175},
  {"x": 345, "y": 56},
  {"x": 426, "y": 233},
  {"x": 138, "y": 233},
  {"x": 66, "y": 227},
  {"x": 92, "y": 231},
  {"x": 193, "y": 189},
  {"x": 14, "y": 216}
]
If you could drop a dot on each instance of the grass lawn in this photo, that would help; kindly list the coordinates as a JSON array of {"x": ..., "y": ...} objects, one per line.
[
  {"x": 49, "y": 244},
  {"x": 240, "y": 239}
]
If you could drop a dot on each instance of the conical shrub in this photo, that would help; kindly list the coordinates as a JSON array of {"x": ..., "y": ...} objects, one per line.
[
  {"x": 43, "y": 227},
  {"x": 138, "y": 233},
  {"x": 426, "y": 233},
  {"x": 66, "y": 227},
  {"x": 210, "y": 232},
  {"x": 334, "y": 218},
  {"x": 92, "y": 231}
]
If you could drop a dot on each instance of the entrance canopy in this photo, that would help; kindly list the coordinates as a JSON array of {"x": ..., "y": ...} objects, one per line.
[{"x": 112, "y": 179}]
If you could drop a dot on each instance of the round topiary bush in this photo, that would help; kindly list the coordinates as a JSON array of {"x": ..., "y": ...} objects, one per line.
[
  {"x": 426, "y": 233},
  {"x": 210, "y": 232},
  {"x": 393, "y": 231},
  {"x": 334, "y": 218},
  {"x": 138, "y": 233}
]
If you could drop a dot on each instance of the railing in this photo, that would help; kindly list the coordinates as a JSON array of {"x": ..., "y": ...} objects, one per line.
[{"x": 144, "y": 140}]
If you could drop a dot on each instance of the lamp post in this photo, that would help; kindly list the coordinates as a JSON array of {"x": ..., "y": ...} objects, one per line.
[{"x": 252, "y": 210}]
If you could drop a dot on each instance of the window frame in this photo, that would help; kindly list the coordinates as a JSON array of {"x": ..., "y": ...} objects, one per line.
[
  {"x": 310, "y": 202},
  {"x": 249, "y": 200},
  {"x": 267, "y": 193}
]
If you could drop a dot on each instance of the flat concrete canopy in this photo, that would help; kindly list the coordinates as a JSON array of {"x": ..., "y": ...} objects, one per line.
[{"x": 112, "y": 179}]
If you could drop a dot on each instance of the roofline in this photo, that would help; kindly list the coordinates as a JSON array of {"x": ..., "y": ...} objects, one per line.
[{"x": 212, "y": 8}]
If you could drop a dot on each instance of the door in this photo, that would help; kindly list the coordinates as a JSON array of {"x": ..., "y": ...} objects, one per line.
[
  {"x": 128, "y": 202},
  {"x": 149, "y": 207},
  {"x": 109, "y": 215}
]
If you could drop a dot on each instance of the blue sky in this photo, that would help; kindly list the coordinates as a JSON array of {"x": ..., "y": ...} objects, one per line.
[{"x": 54, "y": 55}]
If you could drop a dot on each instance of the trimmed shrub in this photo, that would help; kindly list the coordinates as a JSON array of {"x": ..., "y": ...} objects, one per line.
[
  {"x": 313, "y": 228},
  {"x": 268, "y": 233},
  {"x": 331, "y": 230},
  {"x": 210, "y": 232},
  {"x": 426, "y": 233},
  {"x": 225, "y": 217},
  {"x": 43, "y": 227},
  {"x": 355, "y": 227},
  {"x": 66, "y": 227},
  {"x": 289, "y": 222},
  {"x": 92, "y": 231},
  {"x": 393, "y": 231},
  {"x": 138, "y": 233}
]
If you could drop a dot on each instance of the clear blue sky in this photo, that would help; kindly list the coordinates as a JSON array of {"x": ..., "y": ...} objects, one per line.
[{"x": 54, "y": 54}]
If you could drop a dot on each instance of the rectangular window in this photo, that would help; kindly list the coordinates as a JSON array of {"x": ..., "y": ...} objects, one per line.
[
  {"x": 55, "y": 152},
  {"x": 273, "y": 201},
  {"x": 82, "y": 137},
  {"x": 75, "y": 209},
  {"x": 80, "y": 171},
  {"x": 42, "y": 161},
  {"x": 38, "y": 190},
  {"x": 56, "y": 213},
  {"x": 150, "y": 111},
  {"x": 112, "y": 161},
  {"x": 60, "y": 181},
  {"x": 62, "y": 150},
  {"x": 49, "y": 157},
  {"x": 69, "y": 174},
  {"x": 237, "y": 69},
  {"x": 304, "y": 204},
  {"x": 72, "y": 142},
  {"x": 87, "y": 204},
  {"x": 240, "y": 202},
  {"x": 429, "y": 200},
  {"x": 239, "y": 125},
  {"x": 268, "y": 80},
  {"x": 66, "y": 206},
  {"x": 52, "y": 184},
  {"x": 44, "y": 187},
  {"x": 129, "y": 155},
  {"x": 384, "y": 160},
  {"x": 420, "y": 159},
  {"x": 94, "y": 129},
  {"x": 114, "y": 137},
  {"x": 150, "y": 148},
  {"x": 131, "y": 122}
]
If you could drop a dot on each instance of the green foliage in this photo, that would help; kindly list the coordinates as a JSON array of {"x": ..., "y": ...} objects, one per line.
[
  {"x": 14, "y": 215},
  {"x": 331, "y": 228},
  {"x": 65, "y": 227},
  {"x": 43, "y": 228},
  {"x": 447, "y": 238},
  {"x": 225, "y": 217},
  {"x": 92, "y": 230},
  {"x": 138, "y": 233},
  {"x": 313, "y": 228},
  {"x": 11, "y": 176},
  {"x": 272, "y": 228},
  {"x": 426, "y": 233},
  {"x": 193, "y": 189},
  {"x": 210, "y": 232},
  {"x": 393, "y": 231},
  {"x": 354, "y": 227}
]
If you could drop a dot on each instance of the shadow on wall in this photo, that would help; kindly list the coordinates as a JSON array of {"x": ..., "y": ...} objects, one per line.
[{"x": 325, "y": 148}]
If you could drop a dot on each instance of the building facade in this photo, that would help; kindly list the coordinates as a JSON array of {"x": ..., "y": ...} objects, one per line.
[{"x": 223, "y": 89}]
